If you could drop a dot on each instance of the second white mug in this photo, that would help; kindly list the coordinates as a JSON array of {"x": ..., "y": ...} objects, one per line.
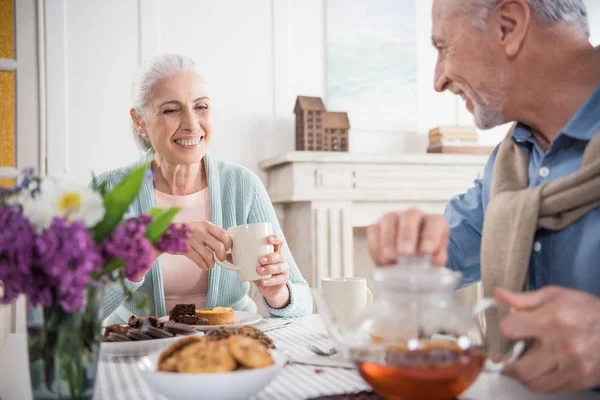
[{"x": 346, "y": 297}]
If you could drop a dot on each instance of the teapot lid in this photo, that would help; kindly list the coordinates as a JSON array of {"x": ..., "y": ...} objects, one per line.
[{"x": 417, "y": 275}]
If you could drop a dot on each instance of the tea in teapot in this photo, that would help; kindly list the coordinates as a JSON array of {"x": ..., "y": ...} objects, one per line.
[
  {"x": 415, "y": 342},
  {"x": 436, "y": 370}
]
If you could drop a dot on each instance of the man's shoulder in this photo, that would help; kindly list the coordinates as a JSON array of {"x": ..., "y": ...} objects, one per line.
[{"x": 489, "y": 166}]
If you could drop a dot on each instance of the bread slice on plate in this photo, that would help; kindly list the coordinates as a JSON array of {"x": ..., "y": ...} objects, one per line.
[{"x": 217, "y": 316}]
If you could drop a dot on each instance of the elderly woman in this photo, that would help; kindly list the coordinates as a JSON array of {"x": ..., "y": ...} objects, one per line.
[{"x": 171, "y": 114}]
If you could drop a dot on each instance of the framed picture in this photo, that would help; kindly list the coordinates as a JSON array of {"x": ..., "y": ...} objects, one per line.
[{"x": 372, "y": 63}]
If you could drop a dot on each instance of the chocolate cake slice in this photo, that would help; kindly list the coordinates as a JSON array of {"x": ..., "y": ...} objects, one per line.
[
  {"x": 182, "y": 309},
  {"x": 190, "y": 320}
]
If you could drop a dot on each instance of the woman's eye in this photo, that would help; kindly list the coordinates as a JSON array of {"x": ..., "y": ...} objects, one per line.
[
  {"x": 202, "y": 107},
  {"x": 170, "y": 111}
]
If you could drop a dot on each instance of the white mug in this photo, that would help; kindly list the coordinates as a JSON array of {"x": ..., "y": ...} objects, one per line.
[
  {"x": 346, "y": 297},
  {"x": 249, "y": 244}
]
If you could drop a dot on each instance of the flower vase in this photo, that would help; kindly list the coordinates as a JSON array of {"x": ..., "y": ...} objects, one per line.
[{"x": 63, "y": 349}]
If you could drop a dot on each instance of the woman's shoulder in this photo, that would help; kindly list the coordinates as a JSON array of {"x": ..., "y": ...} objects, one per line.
[
  {"x": 115, "y": 176},
  {"x": 235, "y": 174}
]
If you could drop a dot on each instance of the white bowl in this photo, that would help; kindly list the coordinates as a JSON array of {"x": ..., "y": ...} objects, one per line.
[{"x": 225, "y": 385}]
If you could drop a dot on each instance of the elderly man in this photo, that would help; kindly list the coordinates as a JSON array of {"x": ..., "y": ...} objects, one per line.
[{"x": 533, "y": 222}]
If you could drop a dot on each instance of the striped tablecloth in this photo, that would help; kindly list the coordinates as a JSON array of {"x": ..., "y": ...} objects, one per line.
[{"x": 119, "y": 378}]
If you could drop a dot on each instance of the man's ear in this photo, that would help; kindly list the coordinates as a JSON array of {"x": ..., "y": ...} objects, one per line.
[
  {"x": 138, "y": 122},
  {"x": 512, "y": 19}
]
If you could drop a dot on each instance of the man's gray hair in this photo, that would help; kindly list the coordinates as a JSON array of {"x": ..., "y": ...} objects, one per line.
[
  {"x": 148, "y": 76},
  {"x": 547, "y": 12}
]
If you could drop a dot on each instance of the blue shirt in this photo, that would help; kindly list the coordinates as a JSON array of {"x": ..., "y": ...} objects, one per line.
[{"x": 569, "y": 257}]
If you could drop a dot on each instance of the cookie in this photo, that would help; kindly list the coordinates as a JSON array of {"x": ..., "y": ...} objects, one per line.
[
  {"x": 219, "y": 334},
  {"x": 249, "y": 352},
  {"x": 167, "y": 361},
  {"x": 156, "y": 333},
  {"x": 256, "y": 334},
  {"x": 206, "y": 357}
]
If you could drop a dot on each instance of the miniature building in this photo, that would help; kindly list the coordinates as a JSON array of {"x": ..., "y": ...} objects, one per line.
[
  {"x": 309, "y": 121},
  {"x": 317, "y": 129},
  {"x": 336, "y": 131}
]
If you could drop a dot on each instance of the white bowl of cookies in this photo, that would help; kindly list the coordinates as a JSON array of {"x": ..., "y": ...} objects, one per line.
[{"x": 235, "y": 367}]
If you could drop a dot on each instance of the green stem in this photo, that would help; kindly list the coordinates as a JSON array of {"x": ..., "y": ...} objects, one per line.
[{"x": 108, "y": 269}]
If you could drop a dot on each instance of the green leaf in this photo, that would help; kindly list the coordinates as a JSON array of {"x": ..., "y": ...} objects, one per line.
[
  {"x": 160, "y": 224},
  {"x": 117, "y": 201},
  {"x": 100, "y": 188},
  {"x": 108, "y": 269},
  {"x": 156, "y": 212},
  {"x": 94, "y": 182}
]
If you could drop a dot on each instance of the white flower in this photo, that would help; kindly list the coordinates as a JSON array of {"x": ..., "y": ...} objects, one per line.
[{"x": 59, "y": 198}]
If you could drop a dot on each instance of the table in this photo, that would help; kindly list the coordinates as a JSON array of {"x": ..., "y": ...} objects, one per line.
[{"x": 120, "y": 380}]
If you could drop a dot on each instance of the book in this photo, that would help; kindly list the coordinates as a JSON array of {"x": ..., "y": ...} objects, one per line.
[{"x": 472, "y": 149}]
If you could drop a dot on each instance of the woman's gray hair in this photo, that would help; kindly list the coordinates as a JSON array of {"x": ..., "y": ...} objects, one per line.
[
  {"x": 546, "y": 12},
  {"x": 148, "y": 76}
]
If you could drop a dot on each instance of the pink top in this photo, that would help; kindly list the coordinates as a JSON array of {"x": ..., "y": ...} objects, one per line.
[{"x": 183, "y": 280}]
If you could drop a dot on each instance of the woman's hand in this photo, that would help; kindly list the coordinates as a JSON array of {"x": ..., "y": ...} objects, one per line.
[
  {"x": 274, "y": 289},
  {"x": 204, "y": 239}
]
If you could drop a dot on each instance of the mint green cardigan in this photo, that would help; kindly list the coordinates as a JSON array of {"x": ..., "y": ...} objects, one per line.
[{"x": 237, "y": 197}]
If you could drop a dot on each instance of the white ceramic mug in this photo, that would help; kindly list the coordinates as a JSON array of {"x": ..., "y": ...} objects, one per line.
[
  {"x": 346, "y": 297},
  {"x": 249, "y": 244}
]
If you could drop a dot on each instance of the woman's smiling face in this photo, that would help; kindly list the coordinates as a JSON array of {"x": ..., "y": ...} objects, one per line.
[{"x": 178, "y": 118}]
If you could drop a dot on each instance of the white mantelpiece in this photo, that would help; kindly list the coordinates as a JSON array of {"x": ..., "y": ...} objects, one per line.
[{"x": 321, "y": 197}]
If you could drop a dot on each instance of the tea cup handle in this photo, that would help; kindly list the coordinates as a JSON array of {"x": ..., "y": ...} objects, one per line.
[
  {"x": 513, "y": 354},
  {"x": 228, "y": 266}
]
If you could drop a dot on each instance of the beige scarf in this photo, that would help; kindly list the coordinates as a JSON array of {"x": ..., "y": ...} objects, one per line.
[{"x": 515, "y": 212}]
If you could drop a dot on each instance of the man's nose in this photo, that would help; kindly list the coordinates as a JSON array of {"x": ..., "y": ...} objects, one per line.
[{"x": 440, "y": 80}]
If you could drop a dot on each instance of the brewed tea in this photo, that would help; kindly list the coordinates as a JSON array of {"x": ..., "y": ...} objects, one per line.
[{"x": 433, "y": 371}]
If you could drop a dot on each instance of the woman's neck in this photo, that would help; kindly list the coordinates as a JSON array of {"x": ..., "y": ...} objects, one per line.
[{"x": 178, "y": 179}]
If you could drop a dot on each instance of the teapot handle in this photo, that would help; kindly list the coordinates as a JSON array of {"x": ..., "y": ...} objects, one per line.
[{"x": 513, "y": 354}]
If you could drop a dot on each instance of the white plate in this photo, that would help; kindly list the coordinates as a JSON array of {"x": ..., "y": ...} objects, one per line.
[
  {"x": 218, "y": 386},
  {"x": 138, "y": 347},
  {"x": 240, "y": 318}
]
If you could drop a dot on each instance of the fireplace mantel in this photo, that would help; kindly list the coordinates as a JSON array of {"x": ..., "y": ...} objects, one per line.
[{"x": 321, "y": 197}]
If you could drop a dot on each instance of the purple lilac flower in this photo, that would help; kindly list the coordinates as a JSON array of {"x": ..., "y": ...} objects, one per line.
[
  {"x": 173, "y": 240},
  {"x": 130, "y": 245},
  {"x": 16, "y": 245},
  {"x": 65, "y": 256}
]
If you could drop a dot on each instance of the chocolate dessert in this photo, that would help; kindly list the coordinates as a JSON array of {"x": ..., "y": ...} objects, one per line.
[
  {"x": 191, "y": 320},
  {"x": 145, "y": 328},
  {"x": 138, "y": 322},
  {"x": 186, "y": 314},
  {"x": 182, "y": 309},
  {"x": 115, "y": 328}
]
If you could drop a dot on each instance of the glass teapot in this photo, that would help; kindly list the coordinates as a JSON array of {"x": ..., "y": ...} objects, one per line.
[{"x": 415, "y": 342}]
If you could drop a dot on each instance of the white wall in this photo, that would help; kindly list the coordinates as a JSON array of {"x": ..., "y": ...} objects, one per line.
[
  {"x": 257, "y": 55},
  {"x": 593, "y": 7}
]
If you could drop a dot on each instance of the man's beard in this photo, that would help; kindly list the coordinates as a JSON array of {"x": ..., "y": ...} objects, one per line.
[
  {"x": 487, "y": 116},
  {"x": 488, "y": 111}
]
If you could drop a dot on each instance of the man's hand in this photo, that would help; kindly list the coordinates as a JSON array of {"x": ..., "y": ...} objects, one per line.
[
  {"x": 408, "y": 233},
  {"x": 566, "y": 327}
]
